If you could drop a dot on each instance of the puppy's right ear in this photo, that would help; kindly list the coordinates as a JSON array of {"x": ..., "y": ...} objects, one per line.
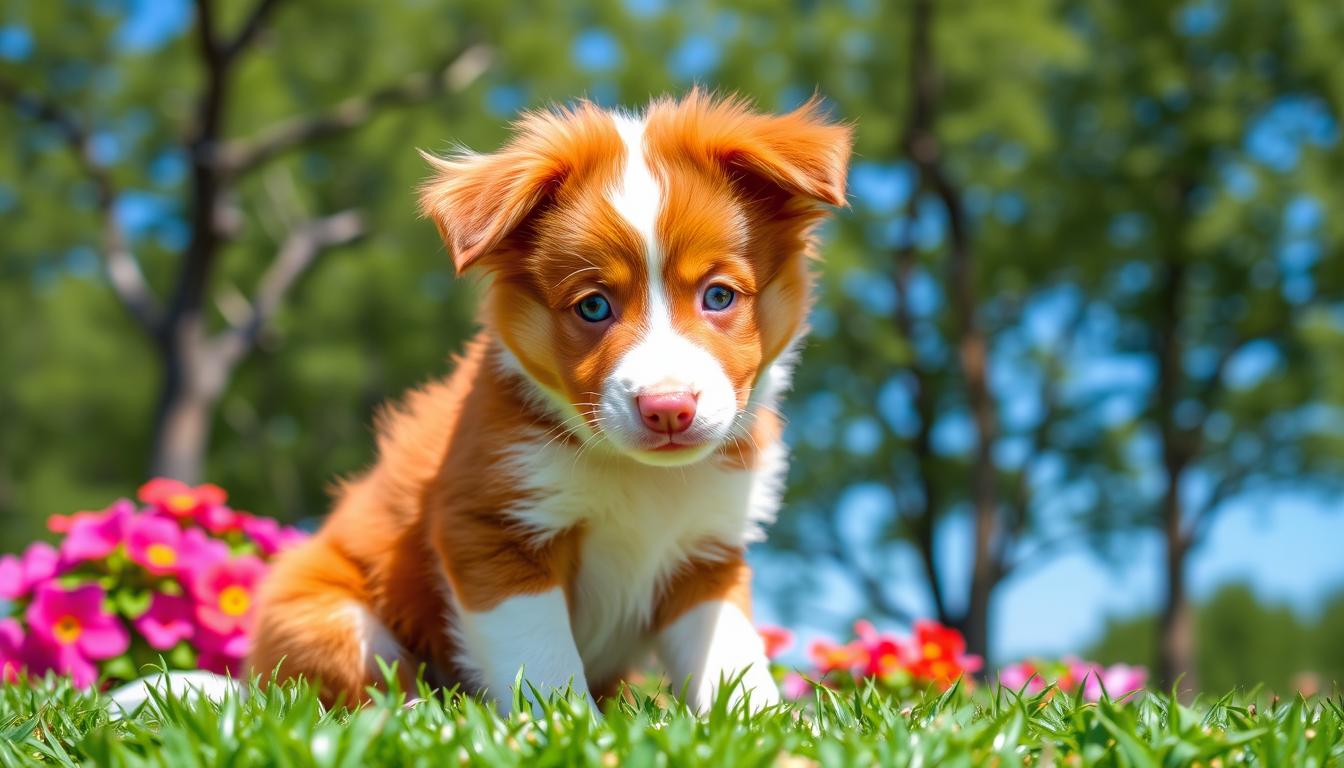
[{"x": 476, "y": 201}]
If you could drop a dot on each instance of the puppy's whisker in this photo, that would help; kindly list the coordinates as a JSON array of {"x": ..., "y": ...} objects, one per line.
[{"x": 578, "y": 271}]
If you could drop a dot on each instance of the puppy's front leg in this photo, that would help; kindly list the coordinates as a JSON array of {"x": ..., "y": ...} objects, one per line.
[
  {"x": 510, "y": 610},
  {"x": 707, "y": 636},
  {"x": 527, "y": 632}
]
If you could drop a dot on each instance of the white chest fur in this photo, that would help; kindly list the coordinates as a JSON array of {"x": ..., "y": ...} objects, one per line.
[{"x": 641, "y": 524}]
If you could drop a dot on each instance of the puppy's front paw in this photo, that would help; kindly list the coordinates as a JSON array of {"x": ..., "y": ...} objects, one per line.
[
  {"x": 751, "y": 683},
  {"x": 757, "y": 687}
]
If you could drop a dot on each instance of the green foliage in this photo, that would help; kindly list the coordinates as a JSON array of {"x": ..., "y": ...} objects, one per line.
[
  {"x": 54, "y": 725},
  {"x": 1242, "y": 641}
]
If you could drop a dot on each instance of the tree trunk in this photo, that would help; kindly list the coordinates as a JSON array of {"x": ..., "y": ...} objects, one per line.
[
  {"x": 972, "y": 344},
  {"x": 1176, "y": 640},
  {"x": 195, "y": 373},
  {"x": 986, "y": 567},
  {"x": 181, "y": 435},
  {"x": 1176, "y": 660}
]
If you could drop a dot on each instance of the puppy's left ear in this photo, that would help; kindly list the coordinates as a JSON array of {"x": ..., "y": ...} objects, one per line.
[{"x": 802, "y": 152}]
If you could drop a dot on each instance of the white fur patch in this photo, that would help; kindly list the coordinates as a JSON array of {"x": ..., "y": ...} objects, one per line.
[
  {"x": 713, "y": 642},
  {"x": 641, "y": 524},
  {"x": 526, "y": 632},
  {"x": 375, "y": 641}
]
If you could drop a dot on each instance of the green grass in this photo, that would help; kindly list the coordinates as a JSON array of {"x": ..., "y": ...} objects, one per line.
[{"x": 54, "y": 725}]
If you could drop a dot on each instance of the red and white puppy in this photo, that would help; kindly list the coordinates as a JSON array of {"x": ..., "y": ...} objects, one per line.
[{"x": 581, "y": 489}]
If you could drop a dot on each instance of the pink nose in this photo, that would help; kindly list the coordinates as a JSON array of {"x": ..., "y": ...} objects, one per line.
[{"x": 669, "y": 412}]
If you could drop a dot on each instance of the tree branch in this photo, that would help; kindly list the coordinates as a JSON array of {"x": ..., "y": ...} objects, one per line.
[
  {"x": 298, "y": 252},
  {"x": 123, "y": 269},
  {"x": 874, "y": 588},
  {"x": 1231, "y": 483},
  {"x": 462, "y": 70},
  {"x": 256, "y": 21},
  {"x": 205, "y": 28}
]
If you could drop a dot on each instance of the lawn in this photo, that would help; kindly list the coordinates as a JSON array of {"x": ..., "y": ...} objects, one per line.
[{"x": 55, "y": 724}]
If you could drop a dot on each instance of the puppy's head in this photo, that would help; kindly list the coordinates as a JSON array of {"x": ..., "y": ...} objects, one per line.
[{"x": 647, "y": 271}]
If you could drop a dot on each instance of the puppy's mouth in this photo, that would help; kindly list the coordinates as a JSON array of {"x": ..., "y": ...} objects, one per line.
[
  {"x": 672, "y": 445},
  {"x": 664, "y": 449}
]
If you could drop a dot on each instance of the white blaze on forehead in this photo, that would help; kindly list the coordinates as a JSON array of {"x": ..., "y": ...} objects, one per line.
[
  {"x": 638, "y": 198},
  {"x": 662, "y": 357}
]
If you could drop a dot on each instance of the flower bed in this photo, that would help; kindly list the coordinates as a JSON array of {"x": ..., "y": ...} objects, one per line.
[
  {"x": 933, "y": 657},
  {"x": 172, "y": 578}
]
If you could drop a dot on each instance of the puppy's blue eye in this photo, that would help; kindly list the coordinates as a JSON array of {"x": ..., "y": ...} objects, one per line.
[
  {"x": 718, "y": 297},
  {"x": 594, "y": 308}
]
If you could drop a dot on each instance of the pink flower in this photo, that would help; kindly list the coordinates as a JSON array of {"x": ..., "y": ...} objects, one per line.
[
  {"x": 795, "y": 686},
  {"x": 223, "y": 653},
  {"x": 155, "y": 543},
  {"x": 73, "y": 626},
  {"x": 225, "y": 593},
  {"x": 1020, "y": 675},
  {"x": 269, "y": 536},
  {"x": 884, "y": 655},
  {"x": 167, "y": 622},
  {"x": 199, "y": 551},
  {"x": 1118, "y": 680},
  {"x": 1077, "y": 673},
  {"x": 93, "y": 535},
  {"x": 179, "y": 499},
  {"x": 218, "y": 518},
  {"x": 777, "y": 640},
  {"x": 12, "y": 657},
  {"x": 18, "y": 576}
]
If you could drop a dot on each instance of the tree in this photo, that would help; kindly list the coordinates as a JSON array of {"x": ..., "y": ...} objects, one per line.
[
  {"x": 197, "y": 364},
  {"x": 964, "y": 126},
  {"x": 1191, "y": 265}
]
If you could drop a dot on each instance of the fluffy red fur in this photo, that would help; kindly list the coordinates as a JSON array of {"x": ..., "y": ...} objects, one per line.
[{"x": 427, "y": 532}]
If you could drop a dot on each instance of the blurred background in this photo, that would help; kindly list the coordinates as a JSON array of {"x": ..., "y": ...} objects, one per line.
[{"x": 1076, "y": 380}]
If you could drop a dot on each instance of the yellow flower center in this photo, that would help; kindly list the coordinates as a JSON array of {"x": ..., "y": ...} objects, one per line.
[
  {"x": 932, "y": 650},
  {"x": 234, "y": 600},
  {"x": 161, "y": 555},
  {"x": 182, "y": 502},
  {"x": 67, "y": 630}
]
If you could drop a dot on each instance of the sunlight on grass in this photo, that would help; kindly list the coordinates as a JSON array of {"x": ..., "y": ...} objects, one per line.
[{"x": 54, "y": 724}]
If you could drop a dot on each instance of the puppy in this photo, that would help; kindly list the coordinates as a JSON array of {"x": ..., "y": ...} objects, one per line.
[{"x": 582, "y": 488}]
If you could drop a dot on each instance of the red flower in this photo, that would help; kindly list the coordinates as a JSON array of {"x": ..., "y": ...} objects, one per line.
[
  {"x": 181, "y": 500},
  {"x": 832, "y": 657},
  {"x": 939, "y": 654},
  {"x": 777, "y": 640}
]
